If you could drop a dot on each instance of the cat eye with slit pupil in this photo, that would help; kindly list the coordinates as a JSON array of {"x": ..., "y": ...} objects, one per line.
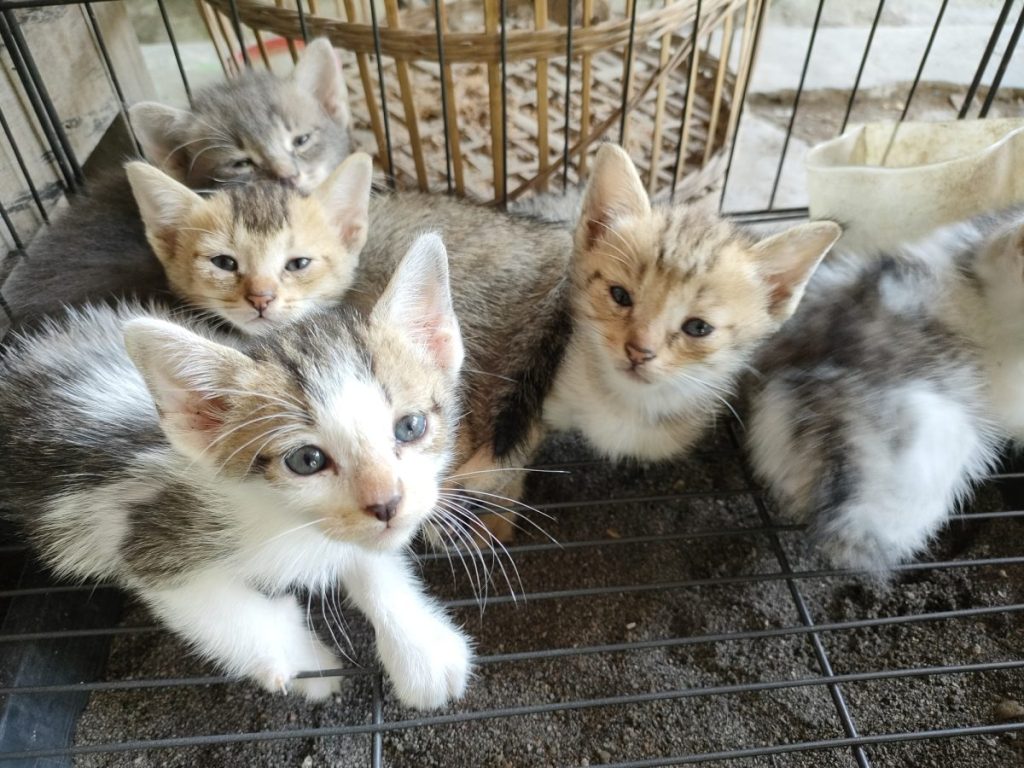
[
  {"x": 410, "y": 427},
  {"x": 697, "y": 327},
  {"x": 307, "y": 460},
  {"x": 225, "y": 262},
  {"x": 294, "y": 265},
  {"x": 621, "y": 296}
]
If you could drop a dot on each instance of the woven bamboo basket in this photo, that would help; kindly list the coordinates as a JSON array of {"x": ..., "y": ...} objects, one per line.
[{"x": 496, "y": 99}]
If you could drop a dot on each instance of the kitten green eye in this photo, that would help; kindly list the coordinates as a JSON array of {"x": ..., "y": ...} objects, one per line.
[
  {"x": 294, "y": 265},
  {"x": 225, "y": 262},
  {"x": 697, "y": 327},
  {"x": 621, "y": 296},
  {"x": 410, "y": 427},
  {"x": 245, "y": 162},
  {"x": 307, "y": 460},
  {"x": 301, "y": 140}
]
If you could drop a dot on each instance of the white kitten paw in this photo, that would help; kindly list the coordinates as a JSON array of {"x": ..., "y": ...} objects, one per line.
[
  {"x": 316, "y": 688},
  {"x": 427, "y": 668}
]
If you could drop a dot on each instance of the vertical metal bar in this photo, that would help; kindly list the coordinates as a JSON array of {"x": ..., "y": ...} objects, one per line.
[
  {"x": 796, "y": 103},
  {"x": 174, "y": 48},
  {"x": 586, "y": 84},
  {"x": 377, "y": 748},
  {"x": 43, "y": 115},
  {"x": 917, "y": 80},
  {"x": 16, "y": 150},
  {"x": 15, "y": 237},
  {"x": 627, "y": 79},
  {"x": 568, "y": 97},
  {"x": 302, "y": 21},
  {"x": 737, "y": 109},
  {"x": 444, "y": 95},
  {"x": 236, "y": 23},
  {"x": 803, "y": 612},
  {"x": 390, "y": 170},
  {"x": 504, "y": 106},
  {"x": 1011, "y": 48},
  {"x": 111, "y": 74},
  {"x": 540, "y": 21},
  {"x": 685, "y": 117},
  {"x": 997, "y": 32},
  {"x": 863, "y": 63}
]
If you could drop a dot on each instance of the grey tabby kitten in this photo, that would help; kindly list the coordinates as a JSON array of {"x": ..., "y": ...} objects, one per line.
[
  {"x": 210, "y": 479},
  {"x": 255, "y": 126},
  {"x": 892, "y": 389}
]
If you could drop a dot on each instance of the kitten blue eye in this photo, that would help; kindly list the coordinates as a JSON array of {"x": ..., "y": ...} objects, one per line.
[
  {"x": 225, "y": 262},
  {"x": 294, "y": 265},
  {"x": 301, "y": 140},
  {"x": 245, "y": 162},
  {"x": 697, "y": 327},
  {"x": 307, "y": 460},
  {"x": 410, "y": 427},
  {"x": 621, "y": 296}
]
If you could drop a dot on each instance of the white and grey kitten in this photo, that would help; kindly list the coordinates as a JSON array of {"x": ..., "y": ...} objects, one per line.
[
  {"x": 210, "y": 480},
  {"x": 891, "y": 391},
  {"x": 256, "y": 126}
]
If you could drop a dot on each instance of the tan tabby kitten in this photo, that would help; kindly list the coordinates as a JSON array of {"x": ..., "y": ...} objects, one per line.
[
  {"x": 259, "y": 255},
  {"x": 669, "y": 304}
]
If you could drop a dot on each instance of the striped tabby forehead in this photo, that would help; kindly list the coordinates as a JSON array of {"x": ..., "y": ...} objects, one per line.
[
  {"x": 260, "y": 207},
  {"x": 692, "y": 238},
  {"x": 254, "y": 105}
]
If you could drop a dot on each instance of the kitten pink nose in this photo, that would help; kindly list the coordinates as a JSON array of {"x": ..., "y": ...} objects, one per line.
[
  {"x": 384, "y": 511},
  {"x": 260, "y": 301},
  {"x": 638, "y": 355}
]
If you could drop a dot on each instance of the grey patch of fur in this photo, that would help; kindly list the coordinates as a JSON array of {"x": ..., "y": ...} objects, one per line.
[
  {"x": 550, "y": 207},
  {"x": 261, "y": 207},
  {"x": 509, "y": 286}
]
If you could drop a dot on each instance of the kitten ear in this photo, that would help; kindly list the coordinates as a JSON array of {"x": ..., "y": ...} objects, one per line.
[
  {"x": 186, "y": 375},
  {"x": 345, "y": 195},
  {"x": 614, "y": 191},
  {"x": 787, "y": 261},
  {"x": 163, "y": 203},
  {"x": 161, "y": 130},
  {"x": 418, "y": 301},
  {"x": 319, "y": 73}
]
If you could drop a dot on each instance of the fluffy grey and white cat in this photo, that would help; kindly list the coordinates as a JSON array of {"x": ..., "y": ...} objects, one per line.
[
  {"x": 210, "y": 479},
  {"x": 256, "y": 126},
  {"x": 892, "y": 389}
]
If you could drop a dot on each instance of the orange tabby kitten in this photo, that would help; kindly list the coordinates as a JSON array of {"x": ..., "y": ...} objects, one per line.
[{"x": 258, "y": 255}]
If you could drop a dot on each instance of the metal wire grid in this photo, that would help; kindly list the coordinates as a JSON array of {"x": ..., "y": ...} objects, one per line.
[
  {"x": 858, "y": 745},
  {"x": 767, "y": 529}
]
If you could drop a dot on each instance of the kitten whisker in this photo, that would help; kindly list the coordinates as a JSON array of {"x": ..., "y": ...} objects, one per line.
[
  {"x": 477, "y": 524},
  {"x": 508, "y": 469}
]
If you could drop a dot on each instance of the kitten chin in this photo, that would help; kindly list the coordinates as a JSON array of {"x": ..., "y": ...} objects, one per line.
[
  {"x": 259, "y": 255},
  {"x": 669, "y": 305},
  {"x": 210, "y": 476}
]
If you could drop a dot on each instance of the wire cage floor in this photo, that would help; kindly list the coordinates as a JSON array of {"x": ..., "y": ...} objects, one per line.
[
  {"x": 667, "y": 616},
  {"x": 675, "y": 621}
]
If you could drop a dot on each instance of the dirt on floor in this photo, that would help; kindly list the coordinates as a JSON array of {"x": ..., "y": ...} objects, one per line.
[{"x": 704, "y": 566}]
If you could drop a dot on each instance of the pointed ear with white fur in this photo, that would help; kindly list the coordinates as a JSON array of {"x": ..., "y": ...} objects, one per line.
[
  {"x": 787, "y": 261},
  {"x": 345, "y": 196},
  {"x": 418, "y": 301},
  {"x": 162, "y": 131},
  {"x": 319, "y": 73},
  {"x": 614, "y": 191},
  {"x": 163, "y": 204},
  {"x": 186, "y": 374}
]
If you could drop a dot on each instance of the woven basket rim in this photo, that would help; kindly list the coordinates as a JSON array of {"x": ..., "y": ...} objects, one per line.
[{"x": 483, "y": 46}]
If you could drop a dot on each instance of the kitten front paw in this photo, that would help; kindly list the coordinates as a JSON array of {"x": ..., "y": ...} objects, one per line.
[
  {"x": 279, "y": 676},
  {"x": 428, "y": 666}
]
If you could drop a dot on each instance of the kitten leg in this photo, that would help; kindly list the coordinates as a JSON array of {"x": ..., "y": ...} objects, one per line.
[
  {"x": 426, "y": 657},
  {"x": 247, "y": 633},
  {"x": 879, "y": 502}
]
